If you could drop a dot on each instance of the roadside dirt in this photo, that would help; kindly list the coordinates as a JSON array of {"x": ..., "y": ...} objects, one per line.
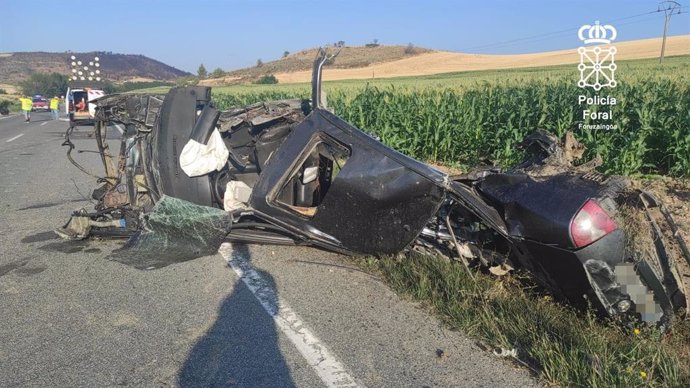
[{"x": 674, "y": 195}]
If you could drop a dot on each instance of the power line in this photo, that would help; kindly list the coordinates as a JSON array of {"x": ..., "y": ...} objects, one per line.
[
  {"x": 570, "y": 31},
  {"x": 552, "y": 34}
]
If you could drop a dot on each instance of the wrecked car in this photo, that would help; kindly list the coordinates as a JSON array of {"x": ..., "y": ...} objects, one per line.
[{"x": 189, "y": 176}]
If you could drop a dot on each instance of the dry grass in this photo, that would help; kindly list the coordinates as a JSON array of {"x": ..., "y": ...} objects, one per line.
[
  {"x": 349, "y": 57},
  {"x": 9, "y": 89},
  {"x": 446, "y": 62},
  {"x": 141, "y": 79}
]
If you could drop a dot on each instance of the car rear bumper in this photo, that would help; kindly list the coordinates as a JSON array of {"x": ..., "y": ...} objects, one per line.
[{"x": 599, "y": 275}]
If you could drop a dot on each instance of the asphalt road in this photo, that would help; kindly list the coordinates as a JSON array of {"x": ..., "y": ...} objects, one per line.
[{"x": 296, "y": 316}]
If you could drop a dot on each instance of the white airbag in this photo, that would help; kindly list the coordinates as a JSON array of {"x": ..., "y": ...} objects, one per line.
[
  {"x": 199, "y": 159},
  {"x": 237, "y": 195}
]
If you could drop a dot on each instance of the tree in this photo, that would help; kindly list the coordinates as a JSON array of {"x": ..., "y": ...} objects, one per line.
[
  {"x": 5, "y": 107},
  {"x": 108, "y": 87},
  {"x": 218, "y": 73},
  {"x": 259, "y": 63},
  {"x": 53, "y": 84},
  {"x": 409, "y": 50},
  {"x": 267, "y": 79},
  {"x": 187, "y": 81},
  {"x": 285, "y": 53},
  {"x": 201, "y": 71},
  {"x": 375, "y": 43}
]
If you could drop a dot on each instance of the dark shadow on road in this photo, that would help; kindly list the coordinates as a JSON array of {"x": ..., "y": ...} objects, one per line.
[{"x": 241, "y": 349}]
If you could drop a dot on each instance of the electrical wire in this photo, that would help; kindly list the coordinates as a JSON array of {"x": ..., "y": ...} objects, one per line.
[
  {"x": 69, "y": 144},
  {"x": 550, "y": 35},
  {"x": 570, "y": 31}
]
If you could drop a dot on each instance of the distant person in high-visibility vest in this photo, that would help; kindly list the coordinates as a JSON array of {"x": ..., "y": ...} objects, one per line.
[
  {"x": 54, "y": 105},
  {"x": 26, "y": 107}
]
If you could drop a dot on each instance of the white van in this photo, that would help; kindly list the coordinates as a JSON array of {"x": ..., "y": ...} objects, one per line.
[{"x": 79, "y": 104}]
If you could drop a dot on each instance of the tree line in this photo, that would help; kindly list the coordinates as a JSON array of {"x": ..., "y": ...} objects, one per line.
[{"x": 55, "y": 84}]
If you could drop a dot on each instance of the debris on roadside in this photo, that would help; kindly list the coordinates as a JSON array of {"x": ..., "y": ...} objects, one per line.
[
  {"x": 504, "y": 353},
  {"x": 441, "y": 354}
]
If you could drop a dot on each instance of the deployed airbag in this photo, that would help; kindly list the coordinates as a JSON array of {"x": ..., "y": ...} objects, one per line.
[{"x": 199, "y": 159}]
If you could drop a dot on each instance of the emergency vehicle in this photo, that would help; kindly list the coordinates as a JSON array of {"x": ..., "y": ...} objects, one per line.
[{"x": 79, "y": 102}]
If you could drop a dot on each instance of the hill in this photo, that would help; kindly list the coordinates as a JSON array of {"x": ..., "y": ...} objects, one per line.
[
  {"x": 390, "y": 61},
  {"x": 15, "y": 67},
  {"x": 446, "y": 62},
  {"x": 350, "y": 57}
]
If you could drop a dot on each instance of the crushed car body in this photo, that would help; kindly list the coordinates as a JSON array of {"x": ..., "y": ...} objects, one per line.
[{"x": 292, "y": 172}]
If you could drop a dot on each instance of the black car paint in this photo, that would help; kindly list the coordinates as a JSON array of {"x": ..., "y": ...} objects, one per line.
[
  {"x": 177, "y": 118},
  {"x": 378, "y": 203},
  {"x": 381, "y": 200}
]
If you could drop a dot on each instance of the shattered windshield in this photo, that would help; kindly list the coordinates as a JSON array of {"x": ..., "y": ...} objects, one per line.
[{"x": 175, "y": 231}]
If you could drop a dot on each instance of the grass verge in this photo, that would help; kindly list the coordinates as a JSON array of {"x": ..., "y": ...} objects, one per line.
[{"x": 565, "y": 346}]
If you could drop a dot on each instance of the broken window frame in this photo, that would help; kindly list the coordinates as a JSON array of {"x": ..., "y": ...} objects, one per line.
[{"x": 311, "y": 147}]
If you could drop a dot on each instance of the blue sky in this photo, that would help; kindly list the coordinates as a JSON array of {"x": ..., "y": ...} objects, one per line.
[{"x": 234, "y": 34}]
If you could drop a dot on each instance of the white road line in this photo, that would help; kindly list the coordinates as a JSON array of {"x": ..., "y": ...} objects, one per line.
[
  {"x": 63, "y": 119},
  {"x": 14, "y": 138},
  {"x": 44, "y": 123},
  {"x": 325, "y": 364},
  {"x": 7, "y": 117}
]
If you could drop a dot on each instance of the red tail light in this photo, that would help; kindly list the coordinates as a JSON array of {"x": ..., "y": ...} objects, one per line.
[
  {"x": 590, "y": 224},
  {"x": 71, "y": 106}
]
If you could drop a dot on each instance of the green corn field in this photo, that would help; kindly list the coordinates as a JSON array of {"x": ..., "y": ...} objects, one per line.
[{"x": 466, "y": 121}]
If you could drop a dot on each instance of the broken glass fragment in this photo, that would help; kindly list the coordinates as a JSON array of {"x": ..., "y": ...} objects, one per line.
[{"x": 175, "y": 231}]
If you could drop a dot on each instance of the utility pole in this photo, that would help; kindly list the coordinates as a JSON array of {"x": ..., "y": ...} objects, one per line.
[{"x": 668, "y": 8}]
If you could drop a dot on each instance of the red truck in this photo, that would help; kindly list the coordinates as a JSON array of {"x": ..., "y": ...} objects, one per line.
[{"x": 39, "y": 103}]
